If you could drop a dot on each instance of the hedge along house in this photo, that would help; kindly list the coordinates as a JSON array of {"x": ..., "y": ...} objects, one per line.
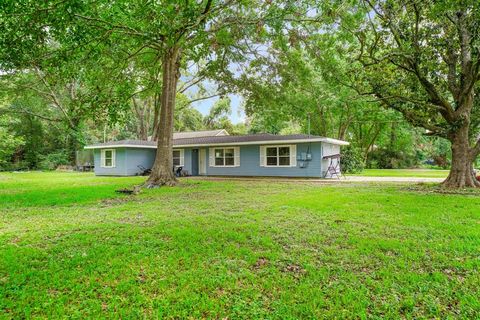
[{"x": 219, "y": 154}]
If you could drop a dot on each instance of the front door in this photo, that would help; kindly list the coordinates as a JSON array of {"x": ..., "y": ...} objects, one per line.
[
  {"x": 194, "y": 162},
  {"x": 202, "y": 162}
]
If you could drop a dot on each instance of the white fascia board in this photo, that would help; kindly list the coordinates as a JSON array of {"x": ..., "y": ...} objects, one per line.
[
  {"x": 222, "y": 131},
  {"x": 336, "y": 141},
  {"x": 267, "y": 142},
  {"x": 121, "y": 146}
]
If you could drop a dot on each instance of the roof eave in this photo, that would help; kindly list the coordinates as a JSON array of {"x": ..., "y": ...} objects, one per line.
[
  {"x": 120, "y": 146},
  {"x": 327, "y": 140},
  {"x": 264, "y": 142}
]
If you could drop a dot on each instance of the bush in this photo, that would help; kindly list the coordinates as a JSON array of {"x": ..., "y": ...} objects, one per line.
[
  {"x": 352, "y": 160},
  {"x": 15, "y": 166},
  {"x": 383, "y": 158},
  {"x": 53, "y": 160}
]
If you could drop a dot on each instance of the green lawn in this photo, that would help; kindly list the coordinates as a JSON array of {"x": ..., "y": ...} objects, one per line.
[
  {"x": 418, "y": 173},
  {"x": 71, "y": 247}
]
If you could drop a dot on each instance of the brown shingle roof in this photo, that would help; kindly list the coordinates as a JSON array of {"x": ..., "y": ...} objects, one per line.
[
  {"x": 198, "y": 134},
  {"x": 221, "y": 140}
]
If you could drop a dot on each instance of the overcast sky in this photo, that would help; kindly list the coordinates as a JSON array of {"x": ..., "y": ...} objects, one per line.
[{"x": 237, "y": 115}]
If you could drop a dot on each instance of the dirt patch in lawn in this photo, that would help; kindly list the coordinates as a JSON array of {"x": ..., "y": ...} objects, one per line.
[{"x": 436, "y": 189}]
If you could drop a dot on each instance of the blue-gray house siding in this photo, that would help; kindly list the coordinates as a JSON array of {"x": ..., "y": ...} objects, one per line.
[
  {"x": 128, "y": 160},
  {"x": 250, "y": 163},
  {"x": 120, "y": 164}
]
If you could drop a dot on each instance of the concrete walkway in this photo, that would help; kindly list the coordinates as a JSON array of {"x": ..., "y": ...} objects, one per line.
[
  {"x": 393, "y": 179},
  {"x": 349, "y": 179}
]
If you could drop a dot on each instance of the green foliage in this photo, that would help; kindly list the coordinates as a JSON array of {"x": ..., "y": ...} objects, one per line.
[
  {"x": 295, "y": 89},
  {"x": 33, "y": 132},
  {"x": 187, "y": 118},
  {"x": 71, "y": 69},
  {"x": 352, "y": 160},
  {"x": 9, "y": 143},
  {"x": 218, "y": 114},
  {"x": 421, "y": 59},
  {"x": 40, "y": 136},
  {"x": 438, "y": 152},
  {"x": 53, "y": 160},
  {"x": 384, "y": 158}
]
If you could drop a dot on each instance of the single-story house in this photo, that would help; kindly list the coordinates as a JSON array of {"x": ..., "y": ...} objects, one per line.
[{"x": 216, "y": 153}]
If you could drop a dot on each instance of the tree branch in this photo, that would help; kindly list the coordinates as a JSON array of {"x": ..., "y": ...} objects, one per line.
[
  {"x": 125, "y": 29},
  {"x": 187, "y": 85},
  {"x": 475, "y": 150},
  {"x": 25, "y": 111},
  {"x": 204, "y": 98},
  {"x": 55, "y": 100}
]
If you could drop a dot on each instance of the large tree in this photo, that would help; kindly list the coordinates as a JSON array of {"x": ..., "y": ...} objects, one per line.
[
  {"x": 44, "y": 54},
  {"x": 199, "y": 29},
  {"x": 422, "y": 58},
  {"x": 295, "y": 87},
  {"x": 178, "y": 33}
]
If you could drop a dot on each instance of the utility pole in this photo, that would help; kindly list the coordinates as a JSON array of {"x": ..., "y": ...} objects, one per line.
[{"x": 308, "y": 117}]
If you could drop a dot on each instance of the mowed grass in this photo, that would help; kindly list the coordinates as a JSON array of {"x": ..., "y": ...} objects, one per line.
[
  {"x": 72, "y": 248},
  {"x": 416, "y": 173}
]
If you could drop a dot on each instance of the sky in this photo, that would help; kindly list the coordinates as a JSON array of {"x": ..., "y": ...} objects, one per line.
[
  {"x": 210, "y": 87},
  {"x": 237, "y": 116}
]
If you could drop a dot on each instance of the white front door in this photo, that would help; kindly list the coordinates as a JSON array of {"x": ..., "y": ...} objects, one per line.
[{"x": 202, "y": 162}]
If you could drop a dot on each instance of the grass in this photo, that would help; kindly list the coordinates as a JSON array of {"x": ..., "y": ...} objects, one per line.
[
  {"x": 70, "y": 247},
  {"x": 417, "y": 173}
]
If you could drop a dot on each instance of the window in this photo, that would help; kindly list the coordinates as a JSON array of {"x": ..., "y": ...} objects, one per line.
[
  {"x": 219, "y": 157},
  {"x": 278, "y": 156},
  {"x": 108, "y": 158},
  {"x": 178, "y": 158},
  {"x": 225, "y": 157}
]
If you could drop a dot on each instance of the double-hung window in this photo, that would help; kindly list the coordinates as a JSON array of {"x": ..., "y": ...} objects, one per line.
[
  {"x": 278, "y": 156},
  {"x": 225, "y": 157},
  {"x": 108, "y": 158},
  {"x": 178, "y": 158}
]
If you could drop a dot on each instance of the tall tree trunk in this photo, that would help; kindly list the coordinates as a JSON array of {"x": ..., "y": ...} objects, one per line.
[
  {"x": 461, "y": 173},
  {"x": 142, "y": 123},
  {"x": 162, "y": 171},
  {"x": 73, "y": 141},
  {"x": 156, "y": 117}
]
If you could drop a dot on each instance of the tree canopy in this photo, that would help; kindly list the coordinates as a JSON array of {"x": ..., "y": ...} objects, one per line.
[{"x": 398, "y": 79}]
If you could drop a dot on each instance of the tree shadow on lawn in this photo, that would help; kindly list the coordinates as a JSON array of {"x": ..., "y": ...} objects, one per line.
[
  {"x": 105, "y": 194},
  {"x": 59, "y": 196}
]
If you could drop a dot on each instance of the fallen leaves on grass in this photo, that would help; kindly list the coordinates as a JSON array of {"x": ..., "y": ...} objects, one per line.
[
  {"x": 260, "y": 263},
  {"x": 137, "y": 219},
  {"x": 295, "y": 269},
  {"x": 114, "y": 201},
  {"x": 436, "y": 189}
]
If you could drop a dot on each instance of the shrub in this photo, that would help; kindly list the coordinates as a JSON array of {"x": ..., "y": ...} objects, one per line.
[
  {"x": 53, "y": 160},
  {"x": 9, "y": 143},
  {"x": 383, "y": 158},
  {"x": 352, "y": 160}
]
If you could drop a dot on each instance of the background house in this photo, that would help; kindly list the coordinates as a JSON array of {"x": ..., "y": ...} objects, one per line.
[{"x": 215, "y": 153}]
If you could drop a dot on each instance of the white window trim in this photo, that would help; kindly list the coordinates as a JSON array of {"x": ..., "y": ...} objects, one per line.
[
  {"x": 102, "y": 158},
  {"x": 292, "y": 154},
  {"x": 182, "y": 157},
  {"x": 236, "y": 157}
]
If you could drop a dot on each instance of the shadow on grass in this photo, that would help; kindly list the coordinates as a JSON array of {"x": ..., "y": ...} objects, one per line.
[{"x": 59, "y": 196}]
